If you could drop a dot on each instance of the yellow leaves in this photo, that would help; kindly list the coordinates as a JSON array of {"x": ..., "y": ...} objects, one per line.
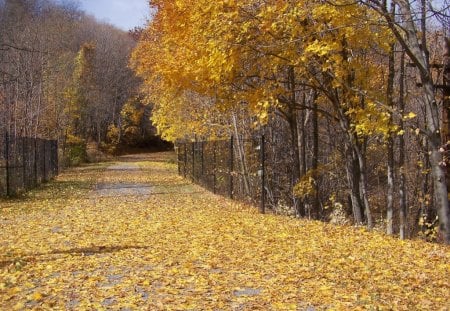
[
  {"x": 318, "y": 48},
  {"x": 326, "y": 290},
  {"x": 14, "y": 290},
  {"x": 371, "y": 119},
  {"x": 181, "y": 4},
  {"x": 19, "y": 306},
  {"x": 223, "y": 43},
  {"x": 409, "y": 116},
  {"x": 284, "y": 306},
  {"x": 306, "y": 185},
  {"x": 146, "y": 283},
  {"x": 325, "y": 11},
  {"x": 36, "y": 296},
  {"x": 186, "y": 114},
  {"x": 183, "y": 248},
  {"x": 262, "y": 110},
  {"x": 229, "y": 3}
]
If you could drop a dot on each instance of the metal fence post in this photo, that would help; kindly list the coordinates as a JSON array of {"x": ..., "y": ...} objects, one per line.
[
  {"x": 45, "y": 162},
  {"x": 262, "y": 208},
  {"x": 24, "y": 169},
  {"x": 39, "y": 165},
  {"x": 7, "y": 162},
  {"x": 231, "y": 168},
  {"x": 50, "y": 144},
  {"x": 177, "y": 148},
  {"x": 214, "y": 167},
  {"x": 185, "y": 159},
  {"x": 35, "y": 167},
  {"x": 56, "y": 158},
  {"x": 52, "y": 158},
  {"x": 202, "y": 144},
  {"x": 193, "y": 160}
]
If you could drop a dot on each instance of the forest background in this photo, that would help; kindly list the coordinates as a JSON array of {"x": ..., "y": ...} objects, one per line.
[
  {"x": 64, "y": 75},
  {"x": 350, "y": 94}
]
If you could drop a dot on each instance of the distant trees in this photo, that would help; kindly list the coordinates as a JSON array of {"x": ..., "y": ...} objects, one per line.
[
  {"x": 135, "y": 128},
  {"x": 331, "y": 80},
  {"x": 33, "y": 64},
  {"x": 62, "y": 74}
]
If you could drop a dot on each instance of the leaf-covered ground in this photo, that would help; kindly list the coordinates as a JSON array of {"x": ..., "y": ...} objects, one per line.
[{"x": 133, "y": 235}]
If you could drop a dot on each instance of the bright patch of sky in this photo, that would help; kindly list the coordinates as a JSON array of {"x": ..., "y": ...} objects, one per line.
[{"x": 125, "y": 14}]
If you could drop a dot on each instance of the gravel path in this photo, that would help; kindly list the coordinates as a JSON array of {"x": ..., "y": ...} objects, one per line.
[{"x": 123, "y": 188}]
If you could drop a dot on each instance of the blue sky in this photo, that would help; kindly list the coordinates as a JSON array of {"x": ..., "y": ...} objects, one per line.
[{"x": 125, "y": 14}]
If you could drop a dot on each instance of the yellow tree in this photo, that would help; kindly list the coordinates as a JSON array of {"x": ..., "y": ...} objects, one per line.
[
  {"x": 264, "y": 55},
  {"x": 79, "y": 94}
]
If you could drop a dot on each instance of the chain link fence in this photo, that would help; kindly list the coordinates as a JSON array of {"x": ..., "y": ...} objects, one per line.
[
  {"x": 25, "y": 163},
  {"x": 242, "y": 169}
]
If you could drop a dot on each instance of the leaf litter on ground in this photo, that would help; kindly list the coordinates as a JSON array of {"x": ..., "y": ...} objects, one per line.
[{"x": 175, "y": 246}]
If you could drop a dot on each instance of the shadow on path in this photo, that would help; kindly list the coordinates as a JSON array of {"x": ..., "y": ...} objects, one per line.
[{"x": 80, "y": 251}]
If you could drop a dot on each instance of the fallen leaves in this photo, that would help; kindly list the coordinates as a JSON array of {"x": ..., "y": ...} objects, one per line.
[{"x": 182, "y": 248}]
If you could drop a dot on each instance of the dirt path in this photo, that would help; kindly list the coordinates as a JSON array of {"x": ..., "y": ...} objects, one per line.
[
  {"x": 121, "y": 189},
  {"x": 132, "y": 235}
]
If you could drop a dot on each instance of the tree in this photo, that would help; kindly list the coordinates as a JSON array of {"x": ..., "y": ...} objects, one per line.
[
  {"x": 409, "y": 37},
  {"x": 52, "y": 81},
  {"x": 293, "y": 68}
]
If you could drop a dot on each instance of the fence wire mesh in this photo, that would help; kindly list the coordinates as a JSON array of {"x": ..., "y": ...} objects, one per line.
[
  {"x": 242, "y": 169},
  {"x": 25, "y": 163}
]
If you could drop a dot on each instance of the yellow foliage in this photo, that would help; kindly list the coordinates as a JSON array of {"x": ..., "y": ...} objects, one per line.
[
  {"x": 113, "y": 134},
  {"x": 306, "y": 185},
  {"x": 371, "y": 120},
  {"x": 409, "y": 116},
  {"x": 132, "y": 112},
  {"x": 74, "y": 140},
  {"x": 230, "y": 53}
]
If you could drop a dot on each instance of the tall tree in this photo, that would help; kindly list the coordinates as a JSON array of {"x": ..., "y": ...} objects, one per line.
[{"x": 407, "y": 33}]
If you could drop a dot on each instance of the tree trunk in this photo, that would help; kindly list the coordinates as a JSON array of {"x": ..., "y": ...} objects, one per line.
[
  {"x": 302, "y": 209},
  {"x": 401, "y": 150},
  {"x": 315, "y": 156},
  {"x": 294, "y": 138},
  {"x": 293, "y": 125},
  {"x": 390, "y": 189},
  {"x": 412, "y": 47},
  {"x": 363, "y": 184},
  {"x": 353, "y": 178},
  {"x": 446, "y": 117},
  {"x": 302, "y": 138},
  {"x": 390, "y": 142}
]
